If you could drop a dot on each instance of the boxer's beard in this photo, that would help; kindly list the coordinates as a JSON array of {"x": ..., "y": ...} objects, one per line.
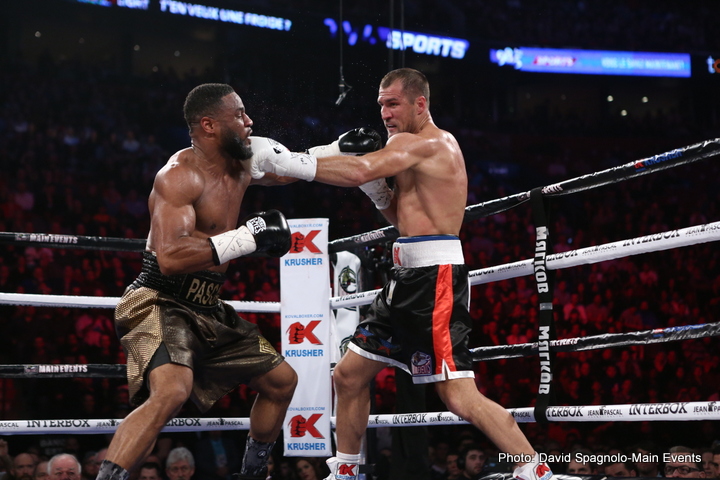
[{"x": 233, "y": 145}]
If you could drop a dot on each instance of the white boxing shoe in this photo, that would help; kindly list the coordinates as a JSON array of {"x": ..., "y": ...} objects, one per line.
[
  {"x": 340, "y": 470},
  {"x": 533, "y": 470}
]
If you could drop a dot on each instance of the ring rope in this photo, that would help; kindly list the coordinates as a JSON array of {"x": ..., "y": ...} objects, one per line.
[
  {"x": 637, "y": 412},
  {"x": 80, "y": 301},
  {"x": 479, "y": 354},
  {"x": 597, "y": 342},
  {"x": 77, "y": 370},
  {"x": 683, "y": 237}
]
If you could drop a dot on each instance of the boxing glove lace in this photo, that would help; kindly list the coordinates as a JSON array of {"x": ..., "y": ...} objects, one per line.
[{"x": 264, "y": 232}]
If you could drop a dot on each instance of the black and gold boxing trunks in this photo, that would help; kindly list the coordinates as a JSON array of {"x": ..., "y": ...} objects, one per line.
[{"x": 184, "y": 313}]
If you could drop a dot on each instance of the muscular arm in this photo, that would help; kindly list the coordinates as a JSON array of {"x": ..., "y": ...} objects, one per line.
[
  {"x": 402, "y": 152},
  {"x": 180, "y": 248}
]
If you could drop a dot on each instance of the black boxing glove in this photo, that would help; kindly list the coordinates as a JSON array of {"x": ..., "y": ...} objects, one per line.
[
  {"x": 271, "y": 231},
  {"x": 357, "y": 141},
  {"x": 264, "y": 232}
]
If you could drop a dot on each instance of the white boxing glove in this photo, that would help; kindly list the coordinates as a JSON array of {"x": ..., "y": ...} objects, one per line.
[
  {"x": 379, "y": 192},
  {"x": 274, "y": 157}
]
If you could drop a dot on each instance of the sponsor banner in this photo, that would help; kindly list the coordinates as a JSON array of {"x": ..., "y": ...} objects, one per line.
[
  {"x": 411, "y": 419},
  {"x": 674, "y": 411},
  {"x": 347, "y": 281},
  {"x": 593, "y": 62},
  {"x": 305, "y": 326}
]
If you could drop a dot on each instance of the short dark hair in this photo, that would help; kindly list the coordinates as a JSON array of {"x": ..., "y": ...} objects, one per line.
[
  {"x": 204, "y": 100},
  {"x": 414, "y": 82},
  {"x": 628, "y": 464},
  {"x": 152, "y": 465}
]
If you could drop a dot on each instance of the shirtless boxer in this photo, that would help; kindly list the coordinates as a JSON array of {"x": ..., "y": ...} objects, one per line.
[
  {"x": 420, "y": 321},
  {"x": 181, "y": 340}
]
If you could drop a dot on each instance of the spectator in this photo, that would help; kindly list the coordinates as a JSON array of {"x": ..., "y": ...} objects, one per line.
[
  {"x": 150, "y": 471},
  {"x": 716, "y": 460},
  {"x": 683, "y": 462},
  {"x": 620, "y": 469},
  {"x": 438, "y": 458},
  {"x": 471, "y": 461},
  {"x": 308, "y": 468},
  {"x": 452, "y": 471},
  {"x": 90, "y": 465},
  {"x": 707, "y": 462},
  {"x": 64, "y": 466},
  {"x": 647, "y": 463},
  {"x": 217, "y": 457},
  {"x": 23, "y": 467},
  {"x": 41, "y": 471},
  {"x": 580, "y": 463},
  {"x": 180, "y": 464}
]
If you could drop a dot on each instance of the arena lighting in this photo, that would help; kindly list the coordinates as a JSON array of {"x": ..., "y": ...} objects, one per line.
[
  {"x": 224, "y": 15},
  {"x": 593, "y": 62},
  {"x": 198, "y": 10},
  {"x": 136, "y": 4},
  {"x": 423, "y": 43},
  {"x": 713, "y": 65}
]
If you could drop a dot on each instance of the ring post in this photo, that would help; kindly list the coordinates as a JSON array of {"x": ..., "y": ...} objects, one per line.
[{"x": 305, "y": 325}]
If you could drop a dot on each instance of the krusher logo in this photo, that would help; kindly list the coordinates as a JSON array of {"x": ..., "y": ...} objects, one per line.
[
  {"x": 300, "y": 425},
  {"x": 300, "y": 242},
  {"x": 298, "y": 333}
]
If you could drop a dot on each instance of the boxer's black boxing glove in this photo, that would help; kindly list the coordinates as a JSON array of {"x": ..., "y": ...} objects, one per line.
[
  {"x": 265, "y": 232},
  {"x": 271, "y": 232},
  {"x": 357, "y": 141}
]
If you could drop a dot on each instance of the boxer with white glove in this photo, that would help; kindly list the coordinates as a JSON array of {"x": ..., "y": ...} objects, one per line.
[
  {"x": 264, "y": 232},
  {"x": 274, "y": 157}
]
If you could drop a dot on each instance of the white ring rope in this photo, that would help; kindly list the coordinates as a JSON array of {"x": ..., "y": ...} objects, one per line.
[
  {"x": 656, "y": 242},
  {"x": 79, "y": 301},
  {"x": 638, "y": 412}
]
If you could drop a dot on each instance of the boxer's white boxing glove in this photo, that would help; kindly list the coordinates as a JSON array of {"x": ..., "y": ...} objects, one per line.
[
  {"x": 265, "y": 232},
  {"x": 357, "y": 141},
  {"x": 274, "y": 157},
  {"x": 379, "y": 192}
]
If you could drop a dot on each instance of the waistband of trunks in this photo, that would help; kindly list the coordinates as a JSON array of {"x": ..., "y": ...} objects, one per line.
[
  {"x": 199, "y": 291},
  {"x": 426, "y": 250}
]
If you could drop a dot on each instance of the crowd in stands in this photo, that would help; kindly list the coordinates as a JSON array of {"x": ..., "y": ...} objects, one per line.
[{"x": 79, "y": 148}]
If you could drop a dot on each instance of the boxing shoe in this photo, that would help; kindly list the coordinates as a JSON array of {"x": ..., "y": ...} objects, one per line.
[
  {"x": 533, "y": 470},
  {"x": 239, "y": 476},
  {"x": 341, "y": 470}
]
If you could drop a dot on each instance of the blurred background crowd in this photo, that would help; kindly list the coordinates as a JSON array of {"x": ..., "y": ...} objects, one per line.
[{"x": 81, "y": 141}]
